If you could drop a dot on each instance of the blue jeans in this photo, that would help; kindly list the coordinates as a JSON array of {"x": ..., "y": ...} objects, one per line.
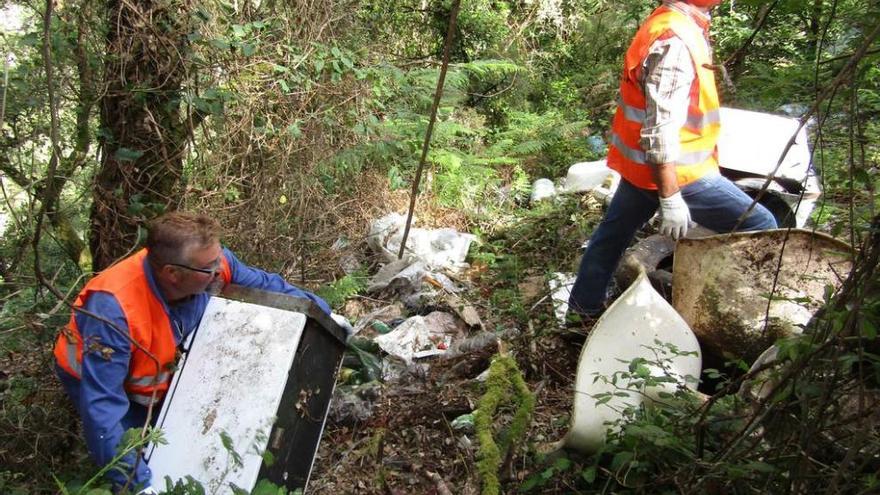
[{"x": 714, "y": 202}]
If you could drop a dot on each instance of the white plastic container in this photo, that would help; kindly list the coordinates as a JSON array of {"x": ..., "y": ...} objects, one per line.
[{"x": 586, "y": 176}]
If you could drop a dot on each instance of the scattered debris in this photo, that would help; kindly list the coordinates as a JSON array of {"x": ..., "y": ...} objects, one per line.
[
  {"x": 560, "y": 290},
  {"x": 400, "y": 277},
  {"x": 437, "y": 248},
  {"x": 422, "y": 336},
  {"x": 542, "y": 189},
  {"x": 466, "y": 312},
  {"x": 353, "y": 404},
  {"x": 463, "y": 423},
  {"x": 385, "y": 315}
]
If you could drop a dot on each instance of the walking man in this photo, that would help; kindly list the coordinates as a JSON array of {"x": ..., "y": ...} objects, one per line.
[{"x": 663, "y": 144}]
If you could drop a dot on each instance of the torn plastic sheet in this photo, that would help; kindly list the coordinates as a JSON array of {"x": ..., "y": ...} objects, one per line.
[
  {"x": 421, "y": 336},
  {"x": 438, "y": 248},
  {"x": 403, "y": 276}
]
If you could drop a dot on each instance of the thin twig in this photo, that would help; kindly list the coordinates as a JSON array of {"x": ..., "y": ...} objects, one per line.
[{"x": 438, "y": 93}]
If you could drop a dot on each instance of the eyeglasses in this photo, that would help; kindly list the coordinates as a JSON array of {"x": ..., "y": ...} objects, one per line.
[{"x": 215, "y": 267}]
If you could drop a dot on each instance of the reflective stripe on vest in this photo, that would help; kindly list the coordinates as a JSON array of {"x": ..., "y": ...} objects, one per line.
[
  {"x": 145, "y": 399},
  {"x": 698, "y": 135},
  {"x": 696, "y": 122},
  {"x": 638, "y": 156},
  {"x": 149, "y": 381}
]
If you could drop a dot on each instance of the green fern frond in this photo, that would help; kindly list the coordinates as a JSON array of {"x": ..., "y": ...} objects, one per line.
[{"x": 490, "y": 67}]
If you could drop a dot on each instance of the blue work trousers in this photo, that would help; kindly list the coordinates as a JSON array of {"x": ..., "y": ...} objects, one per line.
[{"x": 714, "y": 202}]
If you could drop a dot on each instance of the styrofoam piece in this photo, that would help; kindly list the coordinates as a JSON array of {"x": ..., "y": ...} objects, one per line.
[
  {"x": 629, "y": 329},
  {"x": 586, "y": 176},
  {"x": 230, "y": 384},
  {"x": 542, "y": 189},
  {"x": 560, "y": 290}
]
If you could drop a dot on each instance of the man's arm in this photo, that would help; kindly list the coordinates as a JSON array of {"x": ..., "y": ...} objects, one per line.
[
  {"x": 104, "y": 405},
  {"x": 668, "y": 76},
  {"x": 247, "y": 276}
]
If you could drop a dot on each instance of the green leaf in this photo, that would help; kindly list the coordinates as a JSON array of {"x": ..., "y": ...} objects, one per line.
[
  {"x": 248, "y": 49},
  {"x": 319, "y": 65},
  {"x": 562, "y": 464},
  {"x": 761, "y": 467},
  {"x": 220, "y": 43},
  {"x": 293, "y": 130},
  {"x": 127, "y": 155},
  {"x": 869, "y": 329},
  {"x": 265, "y": 487},
  {"x": 620, "y": 460},
  {"x": 589, "y": 474}
]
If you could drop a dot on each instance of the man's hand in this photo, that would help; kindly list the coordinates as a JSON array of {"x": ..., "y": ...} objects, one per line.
[
  {"x": 675, "y": 216},
  {"x": 344, "y": 323}
]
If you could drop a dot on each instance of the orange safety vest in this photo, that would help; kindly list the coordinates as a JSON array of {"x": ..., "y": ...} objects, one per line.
[
  {"x": 148, "y": 325},
  {"x": 699, "y": 135}
]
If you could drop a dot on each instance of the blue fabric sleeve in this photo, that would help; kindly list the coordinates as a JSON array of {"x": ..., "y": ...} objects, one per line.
[
  {"x": 258, "y": 279},
  {"x": 103, "y": 404}
]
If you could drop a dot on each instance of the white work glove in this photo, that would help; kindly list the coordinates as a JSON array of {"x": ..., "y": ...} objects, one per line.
[
  {"x": 675, "y": 216},
  {"x": 344, "y": 323},
  {"x": 148, "y": 491}
]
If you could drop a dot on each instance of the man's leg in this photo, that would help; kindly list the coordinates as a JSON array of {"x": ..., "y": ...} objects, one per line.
[
  {"x": 630, "y": 208},
  {"x": 716, "y": 203}
]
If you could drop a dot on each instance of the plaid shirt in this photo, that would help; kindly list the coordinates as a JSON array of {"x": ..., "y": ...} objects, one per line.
[{"x": 667, "y": 75}]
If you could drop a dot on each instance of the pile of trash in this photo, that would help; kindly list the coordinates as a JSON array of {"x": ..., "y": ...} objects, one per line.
[{"x": 425, "y": 323}]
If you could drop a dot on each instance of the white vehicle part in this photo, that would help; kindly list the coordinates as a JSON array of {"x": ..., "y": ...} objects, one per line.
[
  {"x": 629, "y": 329},
  {"x": 722, "y": 285}
]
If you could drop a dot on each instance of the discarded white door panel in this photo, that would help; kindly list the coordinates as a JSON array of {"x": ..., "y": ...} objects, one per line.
[
  {"x": 753, "y": 142},
  {"x": 722, "y": 285},
  {"x": 630, "y": 328},
  {"x": 250, "y": 384},
  {"x": 749, "y": 148}
]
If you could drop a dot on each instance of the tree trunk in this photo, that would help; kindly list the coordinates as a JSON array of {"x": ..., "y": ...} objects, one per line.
[{"x": 143, "y": 135}]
